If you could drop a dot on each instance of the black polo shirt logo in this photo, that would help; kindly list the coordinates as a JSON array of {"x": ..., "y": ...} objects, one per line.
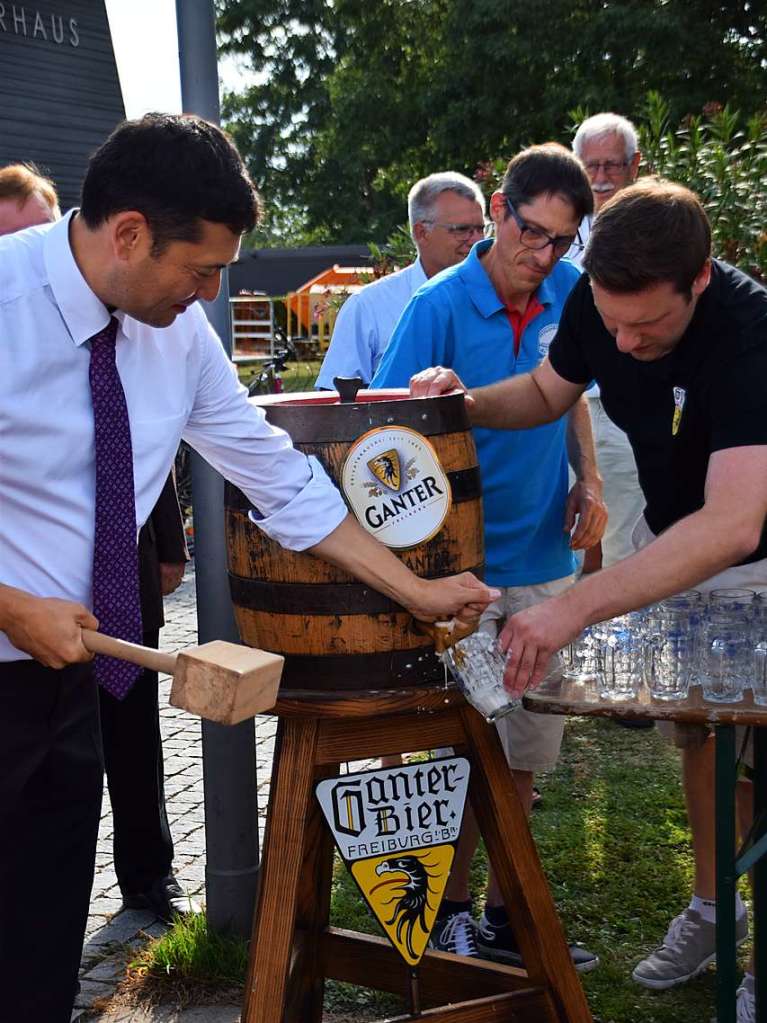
[{"x": 679, "y": 399}]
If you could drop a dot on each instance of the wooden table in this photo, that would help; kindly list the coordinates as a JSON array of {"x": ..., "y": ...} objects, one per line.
[{"x": 564, "y": 696}]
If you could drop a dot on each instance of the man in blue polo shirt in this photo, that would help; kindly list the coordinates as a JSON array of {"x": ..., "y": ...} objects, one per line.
[{"x": 490, "y": 317}]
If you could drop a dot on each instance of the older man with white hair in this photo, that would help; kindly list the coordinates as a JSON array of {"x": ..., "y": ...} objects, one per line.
[
  {"x": 607, "y": 146},
  {"x": 447, "y": 215}
]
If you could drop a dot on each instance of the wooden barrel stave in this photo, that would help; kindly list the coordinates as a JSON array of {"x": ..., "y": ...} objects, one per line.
[
  {"x": 337, "y": 633},
  {"x": 253, "y": 555}
]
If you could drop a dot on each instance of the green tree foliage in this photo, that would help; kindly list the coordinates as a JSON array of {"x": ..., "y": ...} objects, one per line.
[{"x": 358, "y": 99}]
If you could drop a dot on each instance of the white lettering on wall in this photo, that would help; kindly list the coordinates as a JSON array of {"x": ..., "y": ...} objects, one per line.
[
  {"x": 19, "y": 18},
  {"x": 13, "y": 18}
]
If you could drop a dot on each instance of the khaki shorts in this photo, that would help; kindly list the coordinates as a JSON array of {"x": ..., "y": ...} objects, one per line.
[
  {"x": 750, "y": 577},
  {"x": 621, "y": 491},
  {"x": 530, "y": 741}
]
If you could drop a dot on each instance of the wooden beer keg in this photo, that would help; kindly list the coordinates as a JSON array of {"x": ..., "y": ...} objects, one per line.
[{"x": 336, "y": 633}]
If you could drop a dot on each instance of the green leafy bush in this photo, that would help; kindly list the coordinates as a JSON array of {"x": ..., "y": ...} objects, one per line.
[{"x": 724, "y": 161}]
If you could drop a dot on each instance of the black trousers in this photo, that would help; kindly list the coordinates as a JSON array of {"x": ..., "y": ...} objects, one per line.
[
  {"x": 143, "y": 847},
  {"x": 51, "y": 780}
]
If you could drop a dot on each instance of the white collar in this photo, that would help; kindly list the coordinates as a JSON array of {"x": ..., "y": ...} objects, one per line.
[{"x": 83, "y": 312}]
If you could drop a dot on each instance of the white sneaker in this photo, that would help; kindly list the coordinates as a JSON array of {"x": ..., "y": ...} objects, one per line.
[
  {"x": 745, "y": 1011},
  {"x": 687, "y": 949}
]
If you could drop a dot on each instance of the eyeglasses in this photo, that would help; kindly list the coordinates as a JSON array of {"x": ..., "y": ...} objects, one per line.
[
  {"x": 610, "y": 167},
  {"x": 535, "y": 238},
  {"x": 461, "y": 231}
]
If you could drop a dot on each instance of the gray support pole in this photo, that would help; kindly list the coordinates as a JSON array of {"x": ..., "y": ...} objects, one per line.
[{"x": 229, "y": 754}]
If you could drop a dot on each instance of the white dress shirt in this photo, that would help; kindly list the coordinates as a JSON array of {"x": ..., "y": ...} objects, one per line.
[
  {"x": 365, "y": 324},
  {"x": 575, "y": 255},
  {"x": 178, "y": 382},
  {"x": 576, "y": 250}
]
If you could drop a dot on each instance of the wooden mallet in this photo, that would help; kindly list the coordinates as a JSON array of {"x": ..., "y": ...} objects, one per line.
[{"x": 219, "y": 681}]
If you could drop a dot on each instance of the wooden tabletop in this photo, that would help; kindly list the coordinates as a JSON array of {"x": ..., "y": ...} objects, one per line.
[{"x": 565, "y": 696}]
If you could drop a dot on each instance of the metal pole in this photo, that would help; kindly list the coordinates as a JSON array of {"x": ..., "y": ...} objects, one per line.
[
  {"x": 759, "y": 876},
  {"x": 726, "y": 964},
  {"x": 229, "y": 753}
]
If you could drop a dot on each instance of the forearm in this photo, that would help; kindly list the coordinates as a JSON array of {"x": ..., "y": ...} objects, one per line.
[
  {"x": 350, "y": 547},
  {"x": 514, "y": 404},
  {"x": 696, "y": 548},
  {"x": 581, "y": 452}
]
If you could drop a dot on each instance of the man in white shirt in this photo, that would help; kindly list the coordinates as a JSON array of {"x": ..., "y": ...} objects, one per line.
[
  {"x": 446, "y": 212},
  {"x": 165, "y": 202},
  {"x": 607, "y": 146}
]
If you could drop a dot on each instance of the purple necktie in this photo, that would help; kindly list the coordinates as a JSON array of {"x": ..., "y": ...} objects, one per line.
[{"x": 115, "y": 553}]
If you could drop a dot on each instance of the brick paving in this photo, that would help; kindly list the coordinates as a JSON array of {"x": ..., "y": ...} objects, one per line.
[{"x": 112, "y": 933}]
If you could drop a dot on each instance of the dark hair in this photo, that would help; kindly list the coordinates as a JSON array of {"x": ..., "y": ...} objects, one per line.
[
  {"x": 648, "y": 233},
  {"x": 176, "y": 170},
  {"x": 549, "y": 169}
]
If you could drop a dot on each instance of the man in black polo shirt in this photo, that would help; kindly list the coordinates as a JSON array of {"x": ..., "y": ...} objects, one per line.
[{"x": 678, "y": 345}]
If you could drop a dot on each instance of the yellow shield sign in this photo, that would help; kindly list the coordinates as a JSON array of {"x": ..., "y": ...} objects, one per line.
[{"x": 404, "y": 893}]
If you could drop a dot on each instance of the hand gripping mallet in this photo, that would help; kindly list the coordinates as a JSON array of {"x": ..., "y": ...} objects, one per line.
[{"x": 220, "y": 681}]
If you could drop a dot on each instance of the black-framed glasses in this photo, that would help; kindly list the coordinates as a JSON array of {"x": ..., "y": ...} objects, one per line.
[
  {"x": 610, "y": 167},
  {"x": 536, "y": 238},
  {"x": 461, "y": 231}
]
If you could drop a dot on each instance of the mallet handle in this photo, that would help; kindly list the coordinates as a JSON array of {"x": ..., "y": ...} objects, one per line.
[{"x": 144, "y": 656}]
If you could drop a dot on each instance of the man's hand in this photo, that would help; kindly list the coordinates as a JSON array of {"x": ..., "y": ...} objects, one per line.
[
  {"x": 48, "y": 629},
  {"x": 532, "y": 637},
  {"x": 171, "y": 574},
  {"x": 430, "y": 383},
  {"x": 459, "y": 596},
  {"x": 585, "y": 504}
]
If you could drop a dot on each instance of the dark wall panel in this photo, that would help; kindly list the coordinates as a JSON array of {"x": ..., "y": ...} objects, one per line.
[{"x": 59, "y": 91}]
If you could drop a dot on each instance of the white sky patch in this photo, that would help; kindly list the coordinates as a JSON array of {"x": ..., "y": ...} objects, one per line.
[{"x": 146, "y": 50}]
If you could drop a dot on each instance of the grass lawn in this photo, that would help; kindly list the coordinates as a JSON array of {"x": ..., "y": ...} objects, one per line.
[
  {"x": 297, "y": 376},
  {"x": 613, "y": 840}
]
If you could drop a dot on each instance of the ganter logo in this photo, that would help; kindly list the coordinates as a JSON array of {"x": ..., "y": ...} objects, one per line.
[
  {"x": 396, "y": 487},
  {"x": 396, "y": 829},
  {"x": 385, "y": 468}
]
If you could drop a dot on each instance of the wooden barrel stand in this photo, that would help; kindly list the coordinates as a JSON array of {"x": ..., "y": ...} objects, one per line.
[{"x": 293, "y": 948}]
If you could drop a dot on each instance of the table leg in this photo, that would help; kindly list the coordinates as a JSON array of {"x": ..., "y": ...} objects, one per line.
[
  {"x": 725, "y": 874},
  {"x": 760, "y": 871}
]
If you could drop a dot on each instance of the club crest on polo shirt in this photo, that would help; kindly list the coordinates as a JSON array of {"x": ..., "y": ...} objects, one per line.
[
  {"x": 394, "y": 483},
  {"x": 680, "y": 395},
  {"x": 545, "y": 337}
]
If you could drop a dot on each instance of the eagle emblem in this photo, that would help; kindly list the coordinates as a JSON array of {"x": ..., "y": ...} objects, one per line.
[
  {"x": 410, "y": 891},
  {"x": 386, "y": 469}
]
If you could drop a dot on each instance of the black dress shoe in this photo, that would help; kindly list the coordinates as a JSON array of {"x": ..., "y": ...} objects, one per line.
[{"x": 166, "y": 898}]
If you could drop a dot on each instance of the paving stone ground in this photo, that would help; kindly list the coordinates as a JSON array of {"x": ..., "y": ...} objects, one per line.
[{"x": 111, "y": 932}]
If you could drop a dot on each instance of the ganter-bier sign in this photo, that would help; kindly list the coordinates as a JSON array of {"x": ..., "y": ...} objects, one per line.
[{"x": 396, "y": 829}]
